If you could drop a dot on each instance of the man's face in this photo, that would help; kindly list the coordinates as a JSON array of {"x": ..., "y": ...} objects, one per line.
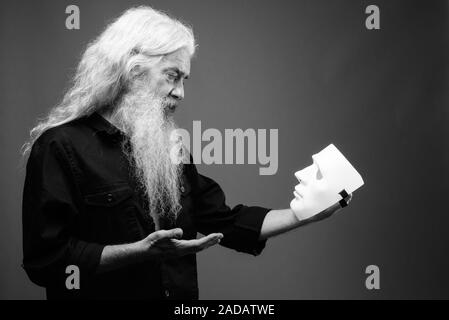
[{"x": 166, "y": 78}]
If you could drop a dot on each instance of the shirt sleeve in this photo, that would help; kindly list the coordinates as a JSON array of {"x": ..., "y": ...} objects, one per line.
[
  {"x": 49, "y": 212},
  {"x": 240, "y": 225}
]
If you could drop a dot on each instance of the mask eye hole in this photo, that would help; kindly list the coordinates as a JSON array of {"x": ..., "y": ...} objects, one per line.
[{"x": 319, "y": 175}]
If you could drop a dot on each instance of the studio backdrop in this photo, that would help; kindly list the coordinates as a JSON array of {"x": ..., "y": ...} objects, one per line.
[{"x": 316, "y": 72}]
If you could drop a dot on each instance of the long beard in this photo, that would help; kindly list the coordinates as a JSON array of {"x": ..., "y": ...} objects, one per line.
[{"x": 144, "y": 120}]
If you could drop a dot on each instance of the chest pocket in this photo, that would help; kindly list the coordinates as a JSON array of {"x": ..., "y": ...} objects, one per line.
[
  {"x": 112, "y": 215},
  {"x": 111, "y": 197}
]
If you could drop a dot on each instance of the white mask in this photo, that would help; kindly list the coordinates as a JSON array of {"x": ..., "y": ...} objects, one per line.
[{"x": 327, "y": 181}]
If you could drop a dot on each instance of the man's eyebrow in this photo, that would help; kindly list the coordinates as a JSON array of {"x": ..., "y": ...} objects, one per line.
[{"x": 177, "y": 70}]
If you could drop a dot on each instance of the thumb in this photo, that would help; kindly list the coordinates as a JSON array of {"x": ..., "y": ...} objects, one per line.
[
  {"x": 166, "y": 234},
  {"x": 176, "y": 233}
]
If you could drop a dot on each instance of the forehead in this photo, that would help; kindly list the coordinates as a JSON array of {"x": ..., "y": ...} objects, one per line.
[{"x": 179, "y": 59}]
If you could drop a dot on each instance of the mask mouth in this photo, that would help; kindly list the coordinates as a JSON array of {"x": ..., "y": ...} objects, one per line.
[{"x": 297, "y": 195}]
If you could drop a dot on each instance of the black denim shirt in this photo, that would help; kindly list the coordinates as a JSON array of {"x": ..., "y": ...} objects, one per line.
[{"x": 80, "y": 195}]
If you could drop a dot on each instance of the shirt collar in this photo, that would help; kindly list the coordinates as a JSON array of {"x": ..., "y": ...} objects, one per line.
[{"x": 103, "y": 126}]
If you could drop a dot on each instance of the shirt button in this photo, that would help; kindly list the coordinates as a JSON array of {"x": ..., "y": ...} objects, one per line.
[
  {"x": 109, "y": 197},
  {"x": 167, "y": 293},
  {"x": 183, "y": 189}
]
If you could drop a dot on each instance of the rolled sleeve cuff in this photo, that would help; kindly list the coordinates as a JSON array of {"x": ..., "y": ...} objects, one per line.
[
  {"x": 248, "y": 226},
  {"x": 87, "y": 256},
  {"x": 50, "y": 270}
]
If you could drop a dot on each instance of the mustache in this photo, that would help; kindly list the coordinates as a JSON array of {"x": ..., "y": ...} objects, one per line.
[{"x": 170, "y": 103}]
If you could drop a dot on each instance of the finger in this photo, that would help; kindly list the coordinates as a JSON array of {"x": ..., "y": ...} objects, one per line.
[
  {"x": 212, "y": 237},
  {"x": 344, "y": 202},
  {"x": 210, "y": 240},
  {"x": 349, "y": 198},
  {"x": 203, "y": 243},
  {"x": 166, "y": 234},
  {"x": 331, "y": 210}
]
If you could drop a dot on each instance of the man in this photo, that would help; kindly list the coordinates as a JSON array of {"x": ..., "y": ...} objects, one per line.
[{"x": 102, "y": 191}]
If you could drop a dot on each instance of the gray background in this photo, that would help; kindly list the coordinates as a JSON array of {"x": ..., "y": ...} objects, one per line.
[{"x": 308, "y": 68}]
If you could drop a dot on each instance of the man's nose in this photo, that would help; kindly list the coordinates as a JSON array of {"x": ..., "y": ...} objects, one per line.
[{"x": 178, "y": 92}]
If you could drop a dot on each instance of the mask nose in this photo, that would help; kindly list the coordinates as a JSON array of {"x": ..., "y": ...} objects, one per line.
[
  {"x": 300, "y": 176},
  {"x": 306, "y": 175}
]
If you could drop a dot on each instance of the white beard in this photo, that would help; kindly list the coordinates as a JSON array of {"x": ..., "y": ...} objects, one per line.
[{"x": 144, "y": 120}]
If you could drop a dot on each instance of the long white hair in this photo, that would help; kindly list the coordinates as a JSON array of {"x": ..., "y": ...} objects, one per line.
[{"x": 138, "y": 38}]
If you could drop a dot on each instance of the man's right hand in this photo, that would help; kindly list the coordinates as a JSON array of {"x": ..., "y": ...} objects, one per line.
[
  {"x": 161, "y": 244},
  {"x": 168, "y": 243}
]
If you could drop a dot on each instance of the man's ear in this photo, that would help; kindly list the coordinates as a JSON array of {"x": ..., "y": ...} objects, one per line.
[
  {"x": 137, "y": 72},
  {"x": 137, "y": 65}
]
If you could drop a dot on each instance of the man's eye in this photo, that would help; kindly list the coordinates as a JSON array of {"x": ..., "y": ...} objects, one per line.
[{"x": 171, "y": 76}]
